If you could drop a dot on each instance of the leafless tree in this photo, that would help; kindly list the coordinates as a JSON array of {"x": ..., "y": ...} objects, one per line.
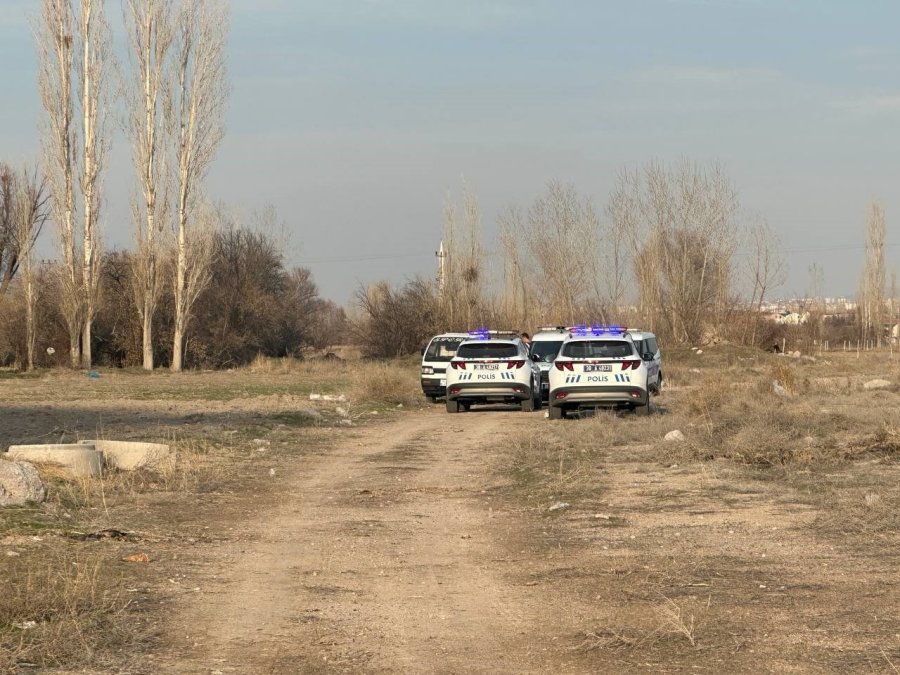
[
  {"x": 464, "y": 273},
  {"x": 193, "y": 255},
  {"x": 30, "y": 212},
  {"x": 54, "y": 34},
  {"x": 151, "y": 34},
  {"x": 516, "y": 298},
  {"x": 872, "y": 280},
  {"x": 197, "y": 115},
  {"x": 764, "y": 270},
  {"x": 562, "y": 236},
  {"x": 682, "y": 238},
  {"x": 94, "y": 70}
]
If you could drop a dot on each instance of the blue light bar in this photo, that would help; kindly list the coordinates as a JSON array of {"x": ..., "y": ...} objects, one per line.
[
  {"x": 480, "y": 334},
  {"x": 584, "y": 331}
]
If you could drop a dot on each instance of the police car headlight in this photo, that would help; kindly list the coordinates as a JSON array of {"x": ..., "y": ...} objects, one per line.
[{"x": 427, "y": 370}]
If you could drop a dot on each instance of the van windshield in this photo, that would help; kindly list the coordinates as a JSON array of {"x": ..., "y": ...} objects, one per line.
[
  {"x": 442, "y": 348},
  {"x": 488, "y": 350}
]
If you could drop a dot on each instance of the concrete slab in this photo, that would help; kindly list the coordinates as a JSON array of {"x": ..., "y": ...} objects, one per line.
[
  {"x": 129, "y": 455},
  {"x": 78, "y": 459}
]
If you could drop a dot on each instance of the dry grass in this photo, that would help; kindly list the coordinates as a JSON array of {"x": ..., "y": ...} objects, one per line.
[{"x": 61, "y": 609}]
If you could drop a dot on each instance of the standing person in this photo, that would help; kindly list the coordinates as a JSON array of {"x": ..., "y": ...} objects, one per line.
[{"x": 526, "y": 338}]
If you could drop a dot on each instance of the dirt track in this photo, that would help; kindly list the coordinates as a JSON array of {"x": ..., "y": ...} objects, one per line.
[{"x": 384, "y": 554}]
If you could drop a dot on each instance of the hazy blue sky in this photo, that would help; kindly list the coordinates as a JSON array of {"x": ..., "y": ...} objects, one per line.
[{"x": 355, "y": 118}]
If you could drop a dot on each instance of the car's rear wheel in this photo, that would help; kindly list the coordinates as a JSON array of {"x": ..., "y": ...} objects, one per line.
[
  {"x": 452, "y": 406},
  {"x": 556, "y": 413}
]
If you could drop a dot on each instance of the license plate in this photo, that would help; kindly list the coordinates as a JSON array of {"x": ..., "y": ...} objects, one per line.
[
  {"x": 602, "y": 368},
  {"x": 487, "y": 366}
]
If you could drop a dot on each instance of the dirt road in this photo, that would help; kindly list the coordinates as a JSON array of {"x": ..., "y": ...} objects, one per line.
[{"x": 384, "y": 554}]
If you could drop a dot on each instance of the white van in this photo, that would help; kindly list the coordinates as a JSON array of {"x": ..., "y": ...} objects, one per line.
[{"x": 435, "y": 359}]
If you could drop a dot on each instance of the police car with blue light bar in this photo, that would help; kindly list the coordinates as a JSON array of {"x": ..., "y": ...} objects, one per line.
[
  {"x": 601, "y": 366},
  {"x": 492, "y": 367}
]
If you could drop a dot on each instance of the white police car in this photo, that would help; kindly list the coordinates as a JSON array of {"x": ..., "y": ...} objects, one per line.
[
  {"x": 492, "y": 367},
  {"x": 647, "y": 346},
  {"x": 544, "y": 347},
  {"x": 598, "y": 366},
  {"x": 435, "y": 361}
]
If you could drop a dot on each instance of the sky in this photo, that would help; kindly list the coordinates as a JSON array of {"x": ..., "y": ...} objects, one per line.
[{"x": 356, "y": 119}]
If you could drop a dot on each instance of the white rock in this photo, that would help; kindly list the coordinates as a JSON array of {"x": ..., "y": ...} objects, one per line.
[
  {"x": 20, "y": 483},
  {"x": 695, "y": 370},
  {"x": 675, "y": 436},
  {"x": 342, "y": 411},
  {"x": 699, "y": 351},
  {"x": 559, "y": 506},
  {"x": 876, "y": 384},
  {"x": 315, "y": 397},
  {"x": 778, "y": 389}
]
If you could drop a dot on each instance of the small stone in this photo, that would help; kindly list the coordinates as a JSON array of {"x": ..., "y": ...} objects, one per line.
[
  {"x": 675, "y": 436},
  {"x": 559, "y": 506},
  {"x": 876, "y": 384}
]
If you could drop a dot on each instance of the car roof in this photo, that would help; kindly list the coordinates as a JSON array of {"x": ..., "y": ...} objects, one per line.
[{"x": 451, "y": 335}]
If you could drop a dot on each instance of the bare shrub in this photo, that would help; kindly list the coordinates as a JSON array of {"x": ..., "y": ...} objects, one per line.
[{"x": 396, "y": 321}]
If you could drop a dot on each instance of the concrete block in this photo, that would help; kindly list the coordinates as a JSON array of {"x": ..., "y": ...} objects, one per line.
[
  {"x": 129, "y": 456},
  {"x": 78, "y": 459}
]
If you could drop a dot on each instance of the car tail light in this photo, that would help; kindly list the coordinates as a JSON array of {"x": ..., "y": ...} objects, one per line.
[
  {"x": 634, "y": 365},
  {"x": 458, "y": 365},
  {"x": 455, "y": 391},
  {"x": 564, "y": 365},
  {"x": 561, "y": 395},
  {"x": 514, "y": 364}
]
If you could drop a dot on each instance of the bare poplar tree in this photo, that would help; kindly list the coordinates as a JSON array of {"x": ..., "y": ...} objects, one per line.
[
  {"x": 197, "y": 114},
  {"x": 93, "y": 81},
  {"x": 54, "y": 34},
  {"x": 151, "y": 32},
  {"x": 872, "y": 280}
]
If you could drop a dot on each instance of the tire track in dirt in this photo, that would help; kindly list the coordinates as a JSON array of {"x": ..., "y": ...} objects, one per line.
[{"x": 380, "y": 558}]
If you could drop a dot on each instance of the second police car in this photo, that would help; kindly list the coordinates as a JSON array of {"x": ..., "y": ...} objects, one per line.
[
  {"x": 492, "y": 367},
  {"x": 601, "y": 366}
]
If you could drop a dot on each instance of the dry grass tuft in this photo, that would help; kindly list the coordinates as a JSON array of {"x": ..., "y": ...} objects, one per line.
[
  {"x": 60, "y": 610},
  {"x": 385, "y": 383}
]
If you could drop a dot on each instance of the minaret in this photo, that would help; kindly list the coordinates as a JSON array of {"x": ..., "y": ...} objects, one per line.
[{"x": 441, "y": 278}]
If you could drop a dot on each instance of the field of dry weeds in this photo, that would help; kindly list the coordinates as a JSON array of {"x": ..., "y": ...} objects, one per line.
[{"x": 767, "y": 539}]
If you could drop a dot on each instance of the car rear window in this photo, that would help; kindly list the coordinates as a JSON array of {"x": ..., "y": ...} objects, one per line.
[
  {"x": 597, "y": 349},
  {"x": 443, "y": 349},
  {"x": 488, "y": 350}
]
